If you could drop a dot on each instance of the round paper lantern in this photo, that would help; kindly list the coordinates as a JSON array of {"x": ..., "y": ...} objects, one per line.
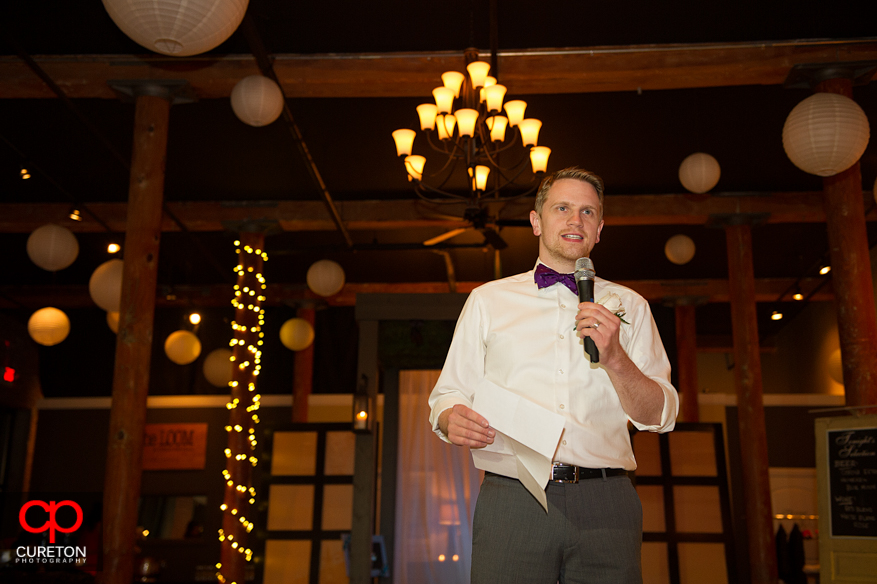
[
  {"x": 176, "y": 28},
  {"x": 52, "y": 247},
  {"x": 296, "y": 334},
  {"x": 325, "y": 278},
  {"x": 48, "y": 326},
  {"x": 113, "y": 321},
  {"x": 699, "y": 172},
  {"x": 105, "y": 285},
  {"x": 218, "y": 367},
  {"x": 256, "y": 100},
  {"x": 825, "y": 134},
  {"x": 182, "y": 347},
  {"x": 679, "y": 249}
]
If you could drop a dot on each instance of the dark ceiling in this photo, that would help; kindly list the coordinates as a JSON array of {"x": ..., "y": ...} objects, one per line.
[{"x": 634, "y": 139}]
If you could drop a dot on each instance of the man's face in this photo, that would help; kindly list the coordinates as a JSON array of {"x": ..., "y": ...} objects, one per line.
[{"x": 569, "y": 225}]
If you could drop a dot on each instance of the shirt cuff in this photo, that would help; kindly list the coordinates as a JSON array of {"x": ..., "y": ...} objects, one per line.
[{"x": 668, "y": 413}]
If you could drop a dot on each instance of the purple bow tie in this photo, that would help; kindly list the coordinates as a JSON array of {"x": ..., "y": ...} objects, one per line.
[{"x": 546, "y": 277}]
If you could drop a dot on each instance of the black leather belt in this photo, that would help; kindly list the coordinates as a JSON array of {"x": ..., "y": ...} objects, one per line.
[{"x": 567, "y": 473}]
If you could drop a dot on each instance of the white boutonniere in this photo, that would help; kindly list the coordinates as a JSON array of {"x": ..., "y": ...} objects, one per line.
[{"x": 612, "y": 303}]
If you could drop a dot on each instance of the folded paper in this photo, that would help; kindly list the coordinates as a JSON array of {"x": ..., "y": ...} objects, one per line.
[{"x": 526, "y": 438}]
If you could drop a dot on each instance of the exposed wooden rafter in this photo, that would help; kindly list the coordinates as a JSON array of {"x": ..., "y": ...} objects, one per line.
[
  {"x": 537, "y": 71},
  {"x": 806, "y": 207}
]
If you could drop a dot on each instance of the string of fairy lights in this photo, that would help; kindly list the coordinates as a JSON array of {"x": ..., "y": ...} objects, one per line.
[{"x": 246, "y": 344}]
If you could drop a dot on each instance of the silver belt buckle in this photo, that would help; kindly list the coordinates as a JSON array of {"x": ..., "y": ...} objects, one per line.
[{"x": 575, "y": 473}]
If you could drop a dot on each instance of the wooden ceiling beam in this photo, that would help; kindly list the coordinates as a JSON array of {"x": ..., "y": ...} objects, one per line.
[
  {"x": 187, "y": 296},
  {"x": 536, "y": 71},
  {"x": 806, "y": 207}
]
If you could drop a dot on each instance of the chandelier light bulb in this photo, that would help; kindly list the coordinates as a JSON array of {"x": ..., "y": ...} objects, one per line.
[
  {"x": 539, "y": 158},
  {"x": 414, "y": 165},
  {"x": 404, "y": 139},
  {"x": 427, "y": 113},
  {"x": 441, "y": 127},
  {"x": 481, "y": 174},
  {"x": 478, "y": 71},
  {"x": 530, "y": 131},
  {"x": 515, "y": 111},
  {"x": 497, "y": 126},
  {"x": 775, "y": 315},
  {"x": 466, "y": 119},
  {"x": 113, "y": 248},
  {"x": 444, "y": 99},
  {"x": 494, "y": 96},
  {"x": 195, "y": 318},
  {"x": 450, "y": 121},
  {"x": 453, "y": 80},
  {"x": 488, "y": 81}
]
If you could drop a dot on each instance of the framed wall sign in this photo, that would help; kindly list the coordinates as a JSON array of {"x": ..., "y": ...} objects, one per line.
[{"x": 175, "y": 447}]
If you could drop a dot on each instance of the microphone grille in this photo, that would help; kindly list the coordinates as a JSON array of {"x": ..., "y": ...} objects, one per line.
[{"x": 584, "y": 264}]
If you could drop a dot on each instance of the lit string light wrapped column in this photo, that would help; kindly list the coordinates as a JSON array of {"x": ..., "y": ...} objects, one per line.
[{"x": 238, "y": 505}]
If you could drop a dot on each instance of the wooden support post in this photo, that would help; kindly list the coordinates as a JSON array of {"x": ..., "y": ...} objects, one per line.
[
  {"x": 134, "y": 342},
  {"x": 750, "y": 406},
  {"x": 249, "y": 318},
  {"x": 303, "y": 374},
  {"x": 851, "y": 273},
  {"x": 365, "y": 464},
  {"x": 686, "y": 359}
]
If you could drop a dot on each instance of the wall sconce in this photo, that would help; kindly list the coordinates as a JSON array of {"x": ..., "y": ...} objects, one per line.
[{"x": 362, "y": 410}]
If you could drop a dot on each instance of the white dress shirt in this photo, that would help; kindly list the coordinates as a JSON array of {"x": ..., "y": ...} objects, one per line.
[{"x": 523, "y": 339}]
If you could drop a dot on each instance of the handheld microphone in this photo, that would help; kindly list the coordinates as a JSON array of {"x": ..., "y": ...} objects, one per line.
[{"x": 584, "y": 276}]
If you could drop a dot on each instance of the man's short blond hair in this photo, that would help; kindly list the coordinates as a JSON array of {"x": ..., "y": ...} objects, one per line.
[{"x": 575, "y": 173}]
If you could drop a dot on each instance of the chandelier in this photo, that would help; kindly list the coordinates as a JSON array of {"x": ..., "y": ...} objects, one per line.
[{"x": 467, "y": 128}]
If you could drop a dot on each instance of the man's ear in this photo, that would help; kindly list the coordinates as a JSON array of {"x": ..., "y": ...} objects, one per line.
[
  {"x": 534, "y": 221},
  {"x": 599, "y": 231}
]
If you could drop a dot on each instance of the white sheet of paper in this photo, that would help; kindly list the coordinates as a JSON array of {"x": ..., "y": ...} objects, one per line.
[{"x": 526, "y": 438}]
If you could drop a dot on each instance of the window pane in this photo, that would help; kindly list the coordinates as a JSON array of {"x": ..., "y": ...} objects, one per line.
[
  {"x": 291, "y": 508},
  {"x": 339, "y": 453},
  {"x": 692, "y": 454},
  {"x": 294, "y": 453},
  {"x": 287, "y": 561},
  {"x": 697, "y": 509}
]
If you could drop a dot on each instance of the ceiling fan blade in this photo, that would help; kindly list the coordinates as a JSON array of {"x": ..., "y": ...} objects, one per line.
[
  {"x": 494, "y": 239},
  {"x": 445, "y": 236}
]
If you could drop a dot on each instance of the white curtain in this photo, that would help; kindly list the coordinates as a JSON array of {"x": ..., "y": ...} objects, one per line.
[{"x": 437, "y": 485}]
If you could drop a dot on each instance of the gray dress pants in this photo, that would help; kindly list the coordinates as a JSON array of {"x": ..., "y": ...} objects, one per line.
[{"x": 592, "y": 533}]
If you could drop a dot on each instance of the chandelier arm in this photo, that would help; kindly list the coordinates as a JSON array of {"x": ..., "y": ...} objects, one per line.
[
  {"x": 420, "y": 189},
  {"x": 504, "y": 185},
  {"x": 438, "y": 147}
]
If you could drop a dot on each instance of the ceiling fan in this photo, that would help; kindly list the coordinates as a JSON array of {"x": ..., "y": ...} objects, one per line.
[{"x": 477, "y": 217}]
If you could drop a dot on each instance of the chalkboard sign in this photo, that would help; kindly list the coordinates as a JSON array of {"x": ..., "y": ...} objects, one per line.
[{"x": 852, "y": 474}]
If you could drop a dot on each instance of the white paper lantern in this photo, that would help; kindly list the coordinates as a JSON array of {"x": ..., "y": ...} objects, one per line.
[
  {"x": 177, "y": 28},
  {"x": 679, "y": 249},
  {"x": 256, "y": 100},
  {"x": 325, "y": 278},
  {"x": 218, "y": 367},
  {"x": 826, "y": 134},
  {"x": 48, "y": 326},
  {"x": 699, "y": 172},
  {"x": 296, "y": 334},
  {"x": 105, "y": 285},
  {"x": 182, "y": 347},
  {"x": 113, "y": 321},
  {"x": 52, "y": 247}
]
